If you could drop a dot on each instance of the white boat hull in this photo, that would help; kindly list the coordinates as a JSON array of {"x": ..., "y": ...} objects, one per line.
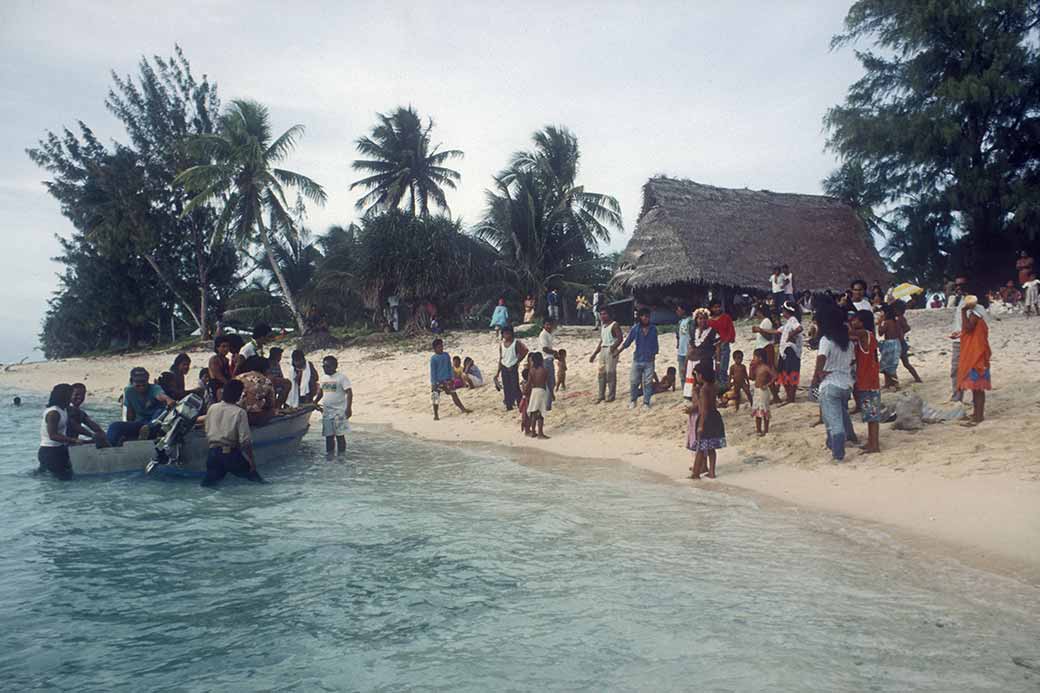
[{"x": 271, "y": 442}]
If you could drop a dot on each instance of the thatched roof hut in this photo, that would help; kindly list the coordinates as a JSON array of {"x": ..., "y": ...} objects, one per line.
[{"x": 692, "y": 235}]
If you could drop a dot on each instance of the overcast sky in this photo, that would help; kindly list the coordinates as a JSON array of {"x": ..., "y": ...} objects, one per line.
[{"x": 728, "y": 94}]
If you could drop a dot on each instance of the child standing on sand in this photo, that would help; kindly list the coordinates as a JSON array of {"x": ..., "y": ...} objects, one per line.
[
  {"x": 891, "y": 348},
  {"x": 537, "y": 396},
  {"x": 738, "y": 380},
  {"x": 764, "y": 375},
  {"x": 711, "y": 431},
  {"x": 561, "y": 369},
  {"x": 867, "y": 388}
]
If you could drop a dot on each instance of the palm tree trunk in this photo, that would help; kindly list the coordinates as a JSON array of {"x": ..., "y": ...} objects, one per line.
[
  {"x": 150, "y": 259},
  {"x": 286, "y": 293},
  {"x": 202, "y": 262}
]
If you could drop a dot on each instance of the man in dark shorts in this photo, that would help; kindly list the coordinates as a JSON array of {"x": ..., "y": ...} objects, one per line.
[{"x": 230, "y": 440}]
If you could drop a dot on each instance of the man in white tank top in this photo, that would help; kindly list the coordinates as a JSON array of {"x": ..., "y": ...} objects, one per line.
[{"x": 606, "y": 351}]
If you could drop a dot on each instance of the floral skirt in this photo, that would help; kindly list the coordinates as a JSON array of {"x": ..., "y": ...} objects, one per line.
[
  {"x": 790, "y": 369},
  {"x": 714, "y": 436}
]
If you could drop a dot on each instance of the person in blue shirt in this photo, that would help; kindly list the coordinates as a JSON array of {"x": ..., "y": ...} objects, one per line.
[
  {"x": 552, "y": 300},
  {"x": 642, "y": 374},
  {"x": 144, "y": 402},
  {"x": 442, "y": 379},
  {"x": 500, "y": 318}
]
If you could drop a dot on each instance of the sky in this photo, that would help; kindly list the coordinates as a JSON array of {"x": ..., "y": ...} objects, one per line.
[{"x": 728, "y": 94}]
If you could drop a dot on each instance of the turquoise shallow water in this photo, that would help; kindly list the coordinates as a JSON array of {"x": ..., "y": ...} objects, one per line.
[{"x": 411, "y": 566}]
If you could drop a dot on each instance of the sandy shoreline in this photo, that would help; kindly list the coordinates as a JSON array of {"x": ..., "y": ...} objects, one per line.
[{"x": 975, "y": 491}]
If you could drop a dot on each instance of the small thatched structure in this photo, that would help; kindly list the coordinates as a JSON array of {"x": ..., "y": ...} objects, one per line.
[{"x": 692, "y": 237}]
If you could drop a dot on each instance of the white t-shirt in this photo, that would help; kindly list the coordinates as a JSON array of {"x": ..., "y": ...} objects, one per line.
[
  {"x": 788, "y": 287},
  {"x": 776, "y": 281},
  {"x": 787, "y": 339},
  {"x": 546, "y": 340},
  {"x": 838, "y": 364},
  {"x": 978, "y": 310},
  {"x": 863, "y": 305},
  {"x": 334, "y": 392},
  {"x": 764, "y": 340},
  {"x": 248, "y": 350}
]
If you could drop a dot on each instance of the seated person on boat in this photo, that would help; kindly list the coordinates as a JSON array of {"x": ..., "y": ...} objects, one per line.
[
  {"x": 144, "y": 402},
  {"x": 258, "y": 396}
]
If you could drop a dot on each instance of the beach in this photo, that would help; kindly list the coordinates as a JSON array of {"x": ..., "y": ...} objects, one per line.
[{"x": 973, "y": 493}]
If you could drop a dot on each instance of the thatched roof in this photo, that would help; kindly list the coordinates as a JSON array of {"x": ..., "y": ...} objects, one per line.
[{"x": 689, "y": 233}]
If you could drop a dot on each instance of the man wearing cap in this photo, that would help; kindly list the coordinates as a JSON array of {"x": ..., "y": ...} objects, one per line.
[
  {"x": 143, "y": 401},
  {"x": 230, "y": 440}
]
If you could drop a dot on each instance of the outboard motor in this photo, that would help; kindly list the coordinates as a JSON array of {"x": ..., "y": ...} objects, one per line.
[{"x": 175, "y": 423}]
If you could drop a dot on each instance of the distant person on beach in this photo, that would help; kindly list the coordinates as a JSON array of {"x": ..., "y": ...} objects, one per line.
[
  {"x": 606, "y": 352},
  {"x": 1032, "y": 298},
  {"x": 219, "y": 366},
  {"x": 833, "y": 377},
  {"x": 144, "y": 402},
  {"x": 581, "y": 307},
  {"x": 512, "y": 353},
  {"x": 973, "y": 369},
  {"x": 537, "y": 394},
  {"x": 1024, "y": 265},
  {"x": 711, "y": 431},
  {"x": 790, "y": 370},
  {"x": 80, "y": 423},
  {"x": 17, "y": 401},
  {"x": 53, "y": 454},
  {"x": 229, "y": 438},
  {"x": 499, "y": 318},
  {"x": 738, "y": 381},
  {"x": 788, "y": 285},
  {"x": 337, "y": 405},
  {"x": 763, "y": 375},
  {"x": 597, "y": 307},
  {"x": 258, "y": 396},
  {"x": 304, "y": 382},
  {"x": 805, "y": 303},
  {"x": 547, "y": 347},
  {"x": 891, "y": 348},
  {"x": 525, "y": 418},
  {"x": 552, "y": 302},
  {"x": 529, "y": 307},
  {"x": 705, "y": 346},
  {"x": 722, "y": 323},
  {"x": 776, "y": 286},
  {"x": 561, "y": 369},
  {"x": 642, "y": 373},
  {"x": 866, "y": 390},
  {"x": 904, "y": 343},
  {"x": 441, "y": 379},
  {"x": 683, "y": 330}
]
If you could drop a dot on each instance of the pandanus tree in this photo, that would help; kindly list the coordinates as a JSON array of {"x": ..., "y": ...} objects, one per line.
[
  {"x": 403, "y": 167},
  {"x": 244, "y": 175}
]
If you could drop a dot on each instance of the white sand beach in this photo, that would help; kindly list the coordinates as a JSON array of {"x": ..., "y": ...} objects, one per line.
[{"x": 974, "y": 491}]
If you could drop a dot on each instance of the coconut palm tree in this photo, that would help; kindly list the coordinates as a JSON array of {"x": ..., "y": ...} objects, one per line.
[
  {"x": 403, "y": 167},
  {"x": 244, "y": 175},
  {"x": 554, "y": 164}
]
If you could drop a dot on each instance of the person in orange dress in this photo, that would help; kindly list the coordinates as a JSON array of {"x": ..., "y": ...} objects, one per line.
[{"x": 973, "y": 370}]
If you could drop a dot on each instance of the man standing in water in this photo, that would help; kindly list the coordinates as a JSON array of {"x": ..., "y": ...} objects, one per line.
[{"x": 230, "y": 440}]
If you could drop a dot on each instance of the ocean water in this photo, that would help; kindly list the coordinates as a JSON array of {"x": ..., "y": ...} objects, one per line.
[{"x": 411, "y": 566}]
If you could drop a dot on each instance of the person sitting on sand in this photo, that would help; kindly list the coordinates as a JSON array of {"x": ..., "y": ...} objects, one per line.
[
  {"x": 763, "y": 375},
  {"x": 258, "y": 395},
  {"x": 53, "y": 454},
  {"x": 665, "y": 384},
  {"x": 711, "y": 430},
  {"x": 441, "y": 379},
  {"x": 80, "y": 423},
  {"x": 891, "y": 348},
  {"x": 457, "y": 380},
  {"x": 143, "y": 402},
  {"x": 229, "y": 438},
  {"x": 866, "y": 390},
  {"x": 561, "y": 369},
  {"x": 337, "y": 398},
  {"x": 304, "y": 382},
  {"x": 537, "y": 396},
  {"x": 738, "y": 381},
  {"x": 973, "y": 369},
  {"x": 471, "y": 375}
]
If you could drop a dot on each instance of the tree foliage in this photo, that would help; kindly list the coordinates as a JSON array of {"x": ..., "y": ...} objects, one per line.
[
  {"x": 944, "y": 129},
  {"x": 403, "y": 167}
]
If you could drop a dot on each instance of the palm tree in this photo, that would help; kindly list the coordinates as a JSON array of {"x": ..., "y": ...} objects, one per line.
[
  {"x": 403, "y": 168},
  {"x": 244, "y": 175},
  {"x": 554, "y": 164}
]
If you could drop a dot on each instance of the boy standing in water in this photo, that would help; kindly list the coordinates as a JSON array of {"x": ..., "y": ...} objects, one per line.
[
  {"x": 337, "y": 398},
  {"x": 442, "y": 377},
  {"x": 764, "y": 375},
  {"x": 537, "y": 396}
]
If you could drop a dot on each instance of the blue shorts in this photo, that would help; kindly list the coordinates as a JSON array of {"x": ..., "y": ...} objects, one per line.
[{"x": 869, "y": 402}]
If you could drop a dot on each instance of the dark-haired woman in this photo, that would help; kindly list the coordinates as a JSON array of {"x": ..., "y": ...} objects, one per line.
[
  {"x": 54, "y": 444},
  {"x": 219, "y": 367},
  {"x": 172, "y": 381},
  {"x": 833, "y": 376}
]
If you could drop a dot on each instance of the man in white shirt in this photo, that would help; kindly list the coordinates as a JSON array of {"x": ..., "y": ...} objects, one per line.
[
  {"x": 776, "y": 286},
  {"x": 547, "y": 345},
  {"x": 337, "y": 400},
  {"x": 788, "y": 283},
  {"x": 859, "y": 295},
  {"x": 255, "y": 346}
]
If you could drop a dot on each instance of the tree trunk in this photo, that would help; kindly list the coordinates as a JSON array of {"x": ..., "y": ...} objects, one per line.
[
  {"x": 202, "y": 263},
  {"x": 286, "y": 293},
  {"x": 169, "y": 285}
]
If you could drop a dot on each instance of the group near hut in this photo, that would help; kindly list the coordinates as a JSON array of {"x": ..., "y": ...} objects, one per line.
[{"x": 701, "y": 255}]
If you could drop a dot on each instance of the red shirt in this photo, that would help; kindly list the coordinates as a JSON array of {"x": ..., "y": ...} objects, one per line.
[
  {"x": 867, "y": 367},
  {"x": 724, "y": 326}
]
